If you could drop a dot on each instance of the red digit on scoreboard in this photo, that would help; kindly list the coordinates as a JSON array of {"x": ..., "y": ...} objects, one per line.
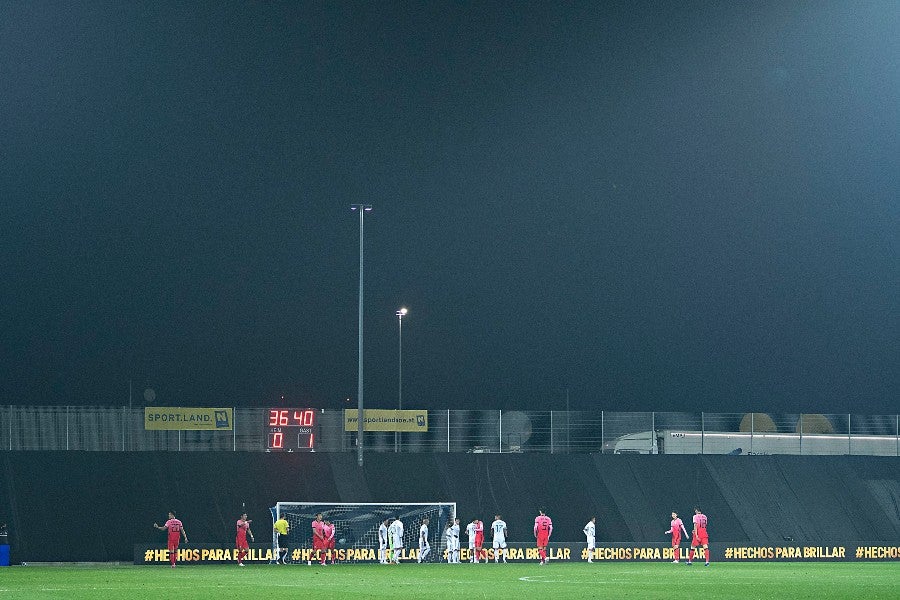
[
  {"x": 276, "y": 440},
  {"x": 273, "y": 418},
  {"x": 304, "y": 418},
  {"x": 283, "y": 417}
]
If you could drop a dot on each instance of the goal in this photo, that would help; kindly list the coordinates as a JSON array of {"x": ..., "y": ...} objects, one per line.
[{"x": 356, "y": 525}]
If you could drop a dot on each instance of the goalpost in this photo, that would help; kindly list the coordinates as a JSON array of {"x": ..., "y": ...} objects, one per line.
[{"x": 356, "y": 525}]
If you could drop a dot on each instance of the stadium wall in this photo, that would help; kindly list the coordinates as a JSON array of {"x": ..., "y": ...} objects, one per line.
[{"x": 94, "y": 506}]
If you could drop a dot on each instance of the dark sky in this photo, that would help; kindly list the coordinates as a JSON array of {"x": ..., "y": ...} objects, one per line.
[{"x": 657, "y": 205}]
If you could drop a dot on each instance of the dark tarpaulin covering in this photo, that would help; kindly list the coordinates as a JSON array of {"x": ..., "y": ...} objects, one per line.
[{"x": 93, "y": 506}]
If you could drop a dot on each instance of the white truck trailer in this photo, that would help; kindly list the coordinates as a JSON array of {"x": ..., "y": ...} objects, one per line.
[{"x": 672, "y": 441}]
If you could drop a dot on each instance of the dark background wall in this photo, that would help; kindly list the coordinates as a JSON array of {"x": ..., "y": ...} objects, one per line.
[{"x": 93, "y": 506}]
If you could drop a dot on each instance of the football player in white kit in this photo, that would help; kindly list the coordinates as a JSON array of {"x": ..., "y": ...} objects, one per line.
[
  {"x": 590, "y": 531},
  {"x": 446, "y": 538},
  {"x": 454, "y": 538},
  {"x": 498, "y": 528},
  {"x": 470, "y": 533},
  {"x": 395, "y": 533},
  {"x": 424, "y": 546},
  {"x": 383, "y": 542}
]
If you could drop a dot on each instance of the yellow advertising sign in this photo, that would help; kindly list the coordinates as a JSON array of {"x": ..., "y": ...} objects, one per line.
[
  {"x": 169, "y": 418},
  {"x": 387, "y": 420}
]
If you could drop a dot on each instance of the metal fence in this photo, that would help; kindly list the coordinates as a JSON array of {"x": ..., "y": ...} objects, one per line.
[{"x": 481, "y": 431}]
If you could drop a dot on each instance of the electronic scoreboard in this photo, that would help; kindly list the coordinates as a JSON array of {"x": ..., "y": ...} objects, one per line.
[{"x": 291, "y": 429}]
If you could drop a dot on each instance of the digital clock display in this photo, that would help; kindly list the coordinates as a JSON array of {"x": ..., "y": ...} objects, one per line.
[{"x": 291, "y": 429}]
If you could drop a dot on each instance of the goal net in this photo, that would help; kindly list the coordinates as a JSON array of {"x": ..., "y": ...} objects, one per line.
[{"x": 356, "y": 525}]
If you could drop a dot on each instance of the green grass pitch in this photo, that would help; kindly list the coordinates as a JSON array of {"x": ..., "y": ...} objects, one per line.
[{"x": 434, "y": 581}]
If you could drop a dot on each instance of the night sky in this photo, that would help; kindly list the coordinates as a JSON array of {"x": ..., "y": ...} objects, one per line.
[{"x": 652, "y": 205}]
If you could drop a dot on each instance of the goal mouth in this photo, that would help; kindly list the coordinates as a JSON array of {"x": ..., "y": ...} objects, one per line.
[{"x": 356, "y": 524}]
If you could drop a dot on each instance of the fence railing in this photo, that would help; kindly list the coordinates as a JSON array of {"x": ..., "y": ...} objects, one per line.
[{"x": 476, "y": 431}]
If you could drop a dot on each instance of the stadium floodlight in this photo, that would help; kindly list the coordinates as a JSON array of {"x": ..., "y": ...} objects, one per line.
[
  {"x": 400, "y": 314},
  {"x": 362, "y": 209}
]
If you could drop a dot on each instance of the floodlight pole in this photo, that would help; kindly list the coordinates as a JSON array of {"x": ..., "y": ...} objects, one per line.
[
  {"x": 400, "y": 314},
  {"x": 362, "y": 209}
]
